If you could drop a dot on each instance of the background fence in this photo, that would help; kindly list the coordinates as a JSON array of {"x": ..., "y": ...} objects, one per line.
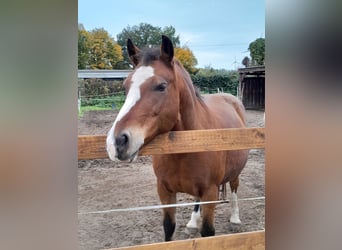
[{"x": 104, "y": 88}]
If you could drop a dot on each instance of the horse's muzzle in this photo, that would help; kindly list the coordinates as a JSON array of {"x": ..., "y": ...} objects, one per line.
[{"x": 125, "y": 145}]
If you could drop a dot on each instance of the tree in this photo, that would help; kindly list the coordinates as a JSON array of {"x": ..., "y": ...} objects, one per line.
[
  {"x": 187, "y": 58},
  {"x": 246, "y": 61},
  {"x": 145, "y": 35},
  {"x": 105, "y": 53},
  {"x": 257, "y": 51},
  {"x": 83, "y": 47}
]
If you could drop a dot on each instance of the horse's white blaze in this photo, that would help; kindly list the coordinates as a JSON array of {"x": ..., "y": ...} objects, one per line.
[
  {"x": 142, "y": 74},
  {"x": 110, "y": 143},
  {"x": 234, "y": 218},
  {"x": 194, "y": 221},
  {"x": 139, "y": 77}
]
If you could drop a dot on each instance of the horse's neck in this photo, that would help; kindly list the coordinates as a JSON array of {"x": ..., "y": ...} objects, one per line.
[{"x": 192, "y": 110}]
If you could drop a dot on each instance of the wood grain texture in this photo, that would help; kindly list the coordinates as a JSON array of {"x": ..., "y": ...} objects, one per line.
[
  {"x": 205, "y": 140},
  {"x": 94, "y": 146},
  {"x": 250, "y": 240}
]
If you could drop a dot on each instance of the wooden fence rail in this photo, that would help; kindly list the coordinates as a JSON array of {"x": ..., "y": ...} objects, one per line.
[
  {"x": 94, "y": 146},
  {"x": 239, "y": 241}
]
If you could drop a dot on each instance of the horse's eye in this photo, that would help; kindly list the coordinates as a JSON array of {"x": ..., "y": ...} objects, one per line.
[{"x": 160, "y": 87}]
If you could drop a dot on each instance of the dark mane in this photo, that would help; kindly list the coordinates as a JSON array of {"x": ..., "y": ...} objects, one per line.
[
  {"x": 149, "y": 55},
  {"x": 189, "y": 80}
]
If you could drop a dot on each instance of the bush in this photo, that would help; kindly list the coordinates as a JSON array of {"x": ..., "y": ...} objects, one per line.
[
  {"x": 115, "y": 101},
  {"x": 99, "y": 87},
  {"x": 209, "y": 83},
  {"x": 102, "y": 93}
]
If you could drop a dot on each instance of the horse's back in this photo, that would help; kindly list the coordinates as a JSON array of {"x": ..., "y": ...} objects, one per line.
[
  {"x": 229, "y": 113},
  {"x": 228, "y": 110}
]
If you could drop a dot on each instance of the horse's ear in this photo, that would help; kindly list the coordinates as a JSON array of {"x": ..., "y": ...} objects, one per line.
[
  {"x": 132, "y": 52},
  {"x": 166, "y": 49}
]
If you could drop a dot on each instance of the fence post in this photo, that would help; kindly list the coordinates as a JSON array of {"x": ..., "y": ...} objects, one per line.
[{"x": 79, "y": 101}]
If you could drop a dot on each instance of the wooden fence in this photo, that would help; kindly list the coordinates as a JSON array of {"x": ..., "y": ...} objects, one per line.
[
  {"x": 239, "y": 241},
  {"x": 93, "y": 147}
]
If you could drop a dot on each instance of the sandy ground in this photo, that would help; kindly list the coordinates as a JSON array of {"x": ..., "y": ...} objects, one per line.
[{"x": 103, "y": 184}]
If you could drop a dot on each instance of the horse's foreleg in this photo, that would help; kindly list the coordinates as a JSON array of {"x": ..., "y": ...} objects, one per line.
[
  {"x": 169, "y": 222},
  {"x": 195, "y": 216},
  {"x": 234, "y": 218},
  {"x": 208, "y": 212}
]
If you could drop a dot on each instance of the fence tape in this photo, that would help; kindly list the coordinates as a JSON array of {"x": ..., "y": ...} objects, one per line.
[{"x": 165, "y": 206}]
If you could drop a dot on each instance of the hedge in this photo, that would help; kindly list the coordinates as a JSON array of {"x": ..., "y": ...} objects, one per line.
[
  {"x": 209, "y": 84},
  {"x": 103, "y": 88}
]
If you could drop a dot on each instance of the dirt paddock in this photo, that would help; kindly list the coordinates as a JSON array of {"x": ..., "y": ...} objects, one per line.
[{"x": 103, "y": 184}]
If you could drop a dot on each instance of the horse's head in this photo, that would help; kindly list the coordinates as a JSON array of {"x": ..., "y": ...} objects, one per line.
[{"x": 152, "y": 101}]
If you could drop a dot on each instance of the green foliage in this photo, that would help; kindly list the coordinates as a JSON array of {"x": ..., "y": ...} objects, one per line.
[
  {"x": 257, "y": 51},
  {"x": 101, "y": 94},
  {"x": 90, "y": 108},
  {"x": 209, "y": 80},
  {"x": 83, "y": 48},
  {"x": 99, "y": 87},
  {"x": 114, "y": 101},
  {"x": 145, "y": 35}
]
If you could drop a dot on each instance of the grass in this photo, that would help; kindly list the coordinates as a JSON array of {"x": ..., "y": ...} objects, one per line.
[
  {"x": 101, "y": 103},
  {"x": 90, "y": 108}
]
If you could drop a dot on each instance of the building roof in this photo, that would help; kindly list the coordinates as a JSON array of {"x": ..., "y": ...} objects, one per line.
[
  {"x": 119, "y": 74},
  {"x": 253, "y": 70}
]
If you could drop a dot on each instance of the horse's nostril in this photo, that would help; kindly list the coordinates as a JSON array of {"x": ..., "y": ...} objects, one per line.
[{"x": 121, "y": 140}]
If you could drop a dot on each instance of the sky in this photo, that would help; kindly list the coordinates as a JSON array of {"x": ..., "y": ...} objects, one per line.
[{"x": 218, "y": 31}]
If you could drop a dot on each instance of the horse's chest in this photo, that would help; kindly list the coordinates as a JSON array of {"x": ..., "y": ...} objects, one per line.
[
  {"x": 184, "y": 173},
  {"x": 182, "y": 183}
]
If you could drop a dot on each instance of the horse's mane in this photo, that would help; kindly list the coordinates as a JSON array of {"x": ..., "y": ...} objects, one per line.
[
  {"x": 148, "y": 55},
  {"x": 188, "y": 80}
]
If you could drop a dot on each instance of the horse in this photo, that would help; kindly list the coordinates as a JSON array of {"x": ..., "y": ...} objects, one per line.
[{"x": 161, "y": 97}]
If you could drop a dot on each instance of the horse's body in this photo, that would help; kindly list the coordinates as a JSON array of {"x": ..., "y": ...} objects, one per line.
[{"x": 161, "y": 98}]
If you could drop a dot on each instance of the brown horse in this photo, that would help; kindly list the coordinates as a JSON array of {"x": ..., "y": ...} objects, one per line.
[{"x": 160, "y": 97}]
